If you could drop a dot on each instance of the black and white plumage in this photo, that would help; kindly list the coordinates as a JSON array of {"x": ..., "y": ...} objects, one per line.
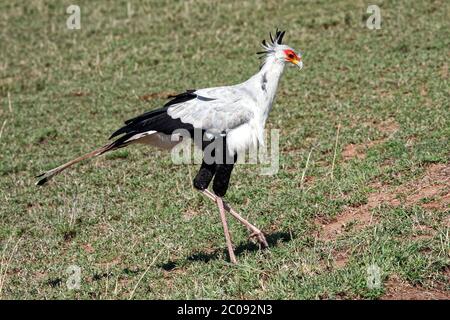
[{"x": 236, "y": 114}]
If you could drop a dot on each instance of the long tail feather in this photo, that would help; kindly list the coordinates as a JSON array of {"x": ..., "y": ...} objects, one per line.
[{"x": 46, "y": 176}]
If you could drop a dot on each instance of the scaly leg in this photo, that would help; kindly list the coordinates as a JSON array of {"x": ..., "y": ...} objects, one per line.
[
  {"x": 225, "y": 229},
  {"x": 255, "y": 232}
]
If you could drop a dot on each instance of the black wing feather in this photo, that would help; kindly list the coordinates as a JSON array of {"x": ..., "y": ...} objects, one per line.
[{"x": 157, "y": 120}]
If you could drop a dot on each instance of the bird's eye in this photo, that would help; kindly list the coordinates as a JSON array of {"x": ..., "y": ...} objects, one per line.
[{"x": 290, "y": 55}]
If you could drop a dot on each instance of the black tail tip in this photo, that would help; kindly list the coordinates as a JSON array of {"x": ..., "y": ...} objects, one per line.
[{"x": 42, "y": 181}]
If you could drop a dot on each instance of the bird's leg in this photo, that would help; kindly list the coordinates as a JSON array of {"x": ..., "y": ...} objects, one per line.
[
  {"x": 219, "y": 202},
  {"x": 255, "y": 232}
]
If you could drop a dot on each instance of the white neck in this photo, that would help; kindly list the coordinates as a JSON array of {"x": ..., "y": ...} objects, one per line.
[
  {"x": 273, "y": 65},
  {"x": 261, "y": 88},
  {"x": 269, "y": 76},
  {"x": 266, "y": 82}
]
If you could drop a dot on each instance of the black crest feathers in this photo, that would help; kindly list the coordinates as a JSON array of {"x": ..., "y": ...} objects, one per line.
[
  {"x": 279, "y": 36},
  {"x": 277, "y": 40}
]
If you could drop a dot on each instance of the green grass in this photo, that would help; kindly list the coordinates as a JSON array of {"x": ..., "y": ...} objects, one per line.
[{"x": 127, "y": 225}]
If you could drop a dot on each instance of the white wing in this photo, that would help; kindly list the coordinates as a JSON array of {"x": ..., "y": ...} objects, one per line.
[{"x": 216, "y": 110}]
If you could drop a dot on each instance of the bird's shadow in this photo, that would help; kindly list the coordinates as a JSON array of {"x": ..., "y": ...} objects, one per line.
[{"x": 273, "y": 240}]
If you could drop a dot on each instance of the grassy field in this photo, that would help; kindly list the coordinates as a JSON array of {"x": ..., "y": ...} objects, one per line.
[{"x": 371, "y": 108}]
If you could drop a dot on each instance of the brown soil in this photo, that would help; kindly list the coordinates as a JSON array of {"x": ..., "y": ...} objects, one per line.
[
  {"x": 359, "y": 150},
  {"x": 388, "y": 127},
  {"x": 432, "y": 191},
  {"x": 340, "y": 259},
  {"x": 444, "y": 71},
  {"x": 88, "y": 248},
  {"x": 423, "y": 232},
  {"x": 189, "y": 214},
  {"x": 353, "y": 151},
  {"x": 356, "y": 218},
  {"x": 396, "y": 289},
  {"x": 108, "y": 264},
  {"x": 78, "y": 94}
]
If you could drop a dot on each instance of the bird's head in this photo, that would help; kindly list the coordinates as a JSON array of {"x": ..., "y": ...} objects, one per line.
[{"x": 281, "y": 52}]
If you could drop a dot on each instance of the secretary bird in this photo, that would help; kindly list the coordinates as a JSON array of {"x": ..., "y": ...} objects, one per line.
[{"x": 234, "y": 115}]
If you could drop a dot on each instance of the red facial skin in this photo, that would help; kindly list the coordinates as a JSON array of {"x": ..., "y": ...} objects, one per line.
[{"x": 291, "y": 56}]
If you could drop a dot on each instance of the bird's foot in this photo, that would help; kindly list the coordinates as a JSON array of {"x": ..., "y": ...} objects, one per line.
[
  {"x": 255, "y": 232},
  {"x": 259, "y": 236}
]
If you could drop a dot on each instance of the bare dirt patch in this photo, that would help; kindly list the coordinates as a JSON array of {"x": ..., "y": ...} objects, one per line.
[
  {"x": 110, "y": 263},
  {"x": 340, "y": 259},
  {"x": 78, "y": 94},
  {"x": 351, "y": 218},
  {"x": 432, "y": 191},
  {"x": 396, "y": 289},
  {"x": 423, "y": 232},
  {"x": 444, "y": 71},
  {"x": 388, "y": 127},
  {"x": 353, "y": 151},
  {"x": 359, "y": 150},
  {"x": 189, "y": 214},
  {"x": 434, "y": 185},
  {"x": 88, "y": 248},
  {"x": 355, "y": 218}
]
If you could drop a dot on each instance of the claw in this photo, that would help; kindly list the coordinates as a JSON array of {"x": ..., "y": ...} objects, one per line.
[{"x": 260, "y": 238}]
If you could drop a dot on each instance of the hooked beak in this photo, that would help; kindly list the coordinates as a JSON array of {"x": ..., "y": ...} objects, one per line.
[{"x": 298, "y": 63}]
